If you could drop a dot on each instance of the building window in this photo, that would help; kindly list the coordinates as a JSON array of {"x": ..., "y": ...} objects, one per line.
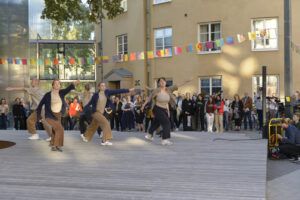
[
  {"x": 266, "y": 34},
  {"x": 210, "y": 85},
  {"x": 122, "y": 44},
  {"x": 160, "y": 1},
  {"x": 272, "y": 85},
  {"x": 124, "y": 5},
  {"x": 209, "y": 32},
  {"x": 163, "y": 39}
]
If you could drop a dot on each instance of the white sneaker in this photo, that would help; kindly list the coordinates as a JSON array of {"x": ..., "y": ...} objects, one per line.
[
  {"x": 149, "y": 137},
  {"x": 48, "y": 139},
  {"x": 107, "y": 143},
  {"x": 166, "y": 142},
  {"x": 83, "y": 138},
  {"x": 34, "y": 137}
]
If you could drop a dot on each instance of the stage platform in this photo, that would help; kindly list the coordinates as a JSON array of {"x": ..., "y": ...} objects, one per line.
[{"x": 199, "y": 166}]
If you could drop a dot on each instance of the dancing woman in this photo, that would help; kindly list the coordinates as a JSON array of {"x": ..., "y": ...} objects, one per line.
[
  {"x": 161, "y": 97},
  {"x": 100, "y": 100},
  {"x": 54, "y": 107}
]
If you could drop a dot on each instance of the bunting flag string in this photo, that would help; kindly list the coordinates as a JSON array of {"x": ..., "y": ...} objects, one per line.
[{"x": 136, "y": 56}]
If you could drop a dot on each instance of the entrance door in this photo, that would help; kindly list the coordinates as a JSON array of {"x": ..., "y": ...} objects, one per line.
[{"x": 114, "y": 85}]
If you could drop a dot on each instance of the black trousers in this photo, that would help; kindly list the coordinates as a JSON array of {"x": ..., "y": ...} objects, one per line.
[
  {"x": 3, "y": 122},
  {"x": 290, "y": 150},
  {"x": 147, "y": 123},
  {"x": 161, "y": 118},
  {"x": 117, "y": 118}
]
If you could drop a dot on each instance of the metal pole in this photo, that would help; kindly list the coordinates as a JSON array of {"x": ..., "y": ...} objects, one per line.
[
  {"x": 288, "y": 76},
  {"x": 101, "y": 44},
  {"x": 148, "y": 40},
  {"x": 264, "y": 107}
]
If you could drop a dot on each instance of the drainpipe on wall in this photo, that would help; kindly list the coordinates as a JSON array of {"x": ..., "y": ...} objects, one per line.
[
  {"x": 147, "y": 40},
  {"x": 288, "y": 76}
]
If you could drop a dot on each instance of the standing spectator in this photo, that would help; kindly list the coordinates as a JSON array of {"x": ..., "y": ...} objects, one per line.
[
  {"x": 18, "y": 113},
  {"x": 200, "y": 112},
  {"x": 219, "y": 111},
  {"x": 118, "y": 113},
  {"x": 247, "y": 106},
  {"x": 149, "y": 116},
  {"x": 226, "y": 114},
  {"x": 210, "y": 109},
  {"x": 74, "y": 112},
  {"x": 296, "y": 119},
  {"x": 179, "y": 114},
  {"x": 187, "y": 110},
  {"x": 273, "y": 108},
  {"x": 258, "y": 106},
  {"x": 139, "y": 114},
  {"x": 3, "y": 114},
  {"x": 237, "y": 111},
  {"x": 128, "y": 116}
]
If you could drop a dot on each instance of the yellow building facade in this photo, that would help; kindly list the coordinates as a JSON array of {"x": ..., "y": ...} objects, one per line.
[{"x": 152, "y": 25}]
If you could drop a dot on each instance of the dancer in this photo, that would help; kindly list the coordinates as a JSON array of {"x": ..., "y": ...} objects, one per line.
[
  {"x": 54, "y": 107},
  {"x": 100, "y": 100},
  {"x": 161, "y": 97},
  {"x": 35, "y": 95}
]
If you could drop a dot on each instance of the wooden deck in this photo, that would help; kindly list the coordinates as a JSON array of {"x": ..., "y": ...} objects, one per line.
[{"x": 195, "y": 167}]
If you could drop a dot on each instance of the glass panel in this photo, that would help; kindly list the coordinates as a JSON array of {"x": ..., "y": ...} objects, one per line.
[
  {"x": 168, "y": 32},
  {"x": 204, "y": 28},
  {"x": 271, "y": 23},
  {"x": 125, "y": 38},
  {"x": 159, "y": 33},
  {"x": 216, "y": 90},
  {"x": 205, "y": 82},
  {"x": 204, "y": 37},
  {"x": 168, "y": 41},
  {"x": 159, "y": 42},
  {"x": 216, "y": 82},
  {"x": 205, "y": 91},
  {"x": 216, "y": 27}
]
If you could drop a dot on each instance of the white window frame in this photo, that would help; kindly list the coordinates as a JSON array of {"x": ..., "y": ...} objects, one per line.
[
  {"x": 210, "y": 82},
  {"x": 269, "y": 75},
  {"x": 156, "y": 2},
  {"x": 163, "y": 45},
  {"x": 253, "y": 30},
  {"x": 209, "y": 38},
  {"x": 123, "y": 44},
  {"x": 124, "y": 4}
]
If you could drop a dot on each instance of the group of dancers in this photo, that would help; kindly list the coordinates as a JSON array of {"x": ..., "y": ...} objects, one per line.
[{"x": 48, "y": 109}]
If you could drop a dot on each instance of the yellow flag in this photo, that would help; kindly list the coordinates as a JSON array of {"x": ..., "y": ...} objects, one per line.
[{"x": 252, "y": 35}]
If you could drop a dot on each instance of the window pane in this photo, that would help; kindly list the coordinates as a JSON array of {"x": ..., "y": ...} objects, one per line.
[
  {"x": 125, "y": 38},
  {"x": 168, "y": 41},
  {"x": 216, "y": 82},
  {"x": 215, "y": 36},
  {"x": 159, "y": 33},
  {"x": 216, "y": 90},
  {"x": 271, "y": 23},
  {"x": 204, "y": 28},
  {"x": 205, "y": 83},
  {"x": 204, "y": 37},
  {"x": 168, "y": 32},
  {"x": 205, "y": 91},
  {"x": 215, "y": 28},
  {"x": 159, "y": 42}
]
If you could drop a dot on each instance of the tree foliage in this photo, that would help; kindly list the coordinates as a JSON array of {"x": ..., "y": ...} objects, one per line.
[{"x": 76, "y": 10}]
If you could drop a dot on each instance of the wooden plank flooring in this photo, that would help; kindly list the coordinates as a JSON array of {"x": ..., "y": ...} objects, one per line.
[{"x": 195, "y": 167}]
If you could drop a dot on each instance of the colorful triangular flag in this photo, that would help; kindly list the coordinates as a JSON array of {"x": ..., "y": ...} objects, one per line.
[
  {"x": 150, "y": 54},
  {"x": 219, "y": 42},
  {"x": 189, "y": 48},
  {"x": 24, "y": 61},
  {"x": 55, "y": 61},
  {"x": 229, "y": 40},
  {"x": 252, "y": 35},
  {"x": 177, "y": 50},
  {"x": 132, "y": 56},
  {"x": 141, "y": 55},
  {"x": 209, "y": 45},
  {"x": 199, "y": 46},
  {"x": 168, "y": 52},
  {"x": 241, "y": 38}
]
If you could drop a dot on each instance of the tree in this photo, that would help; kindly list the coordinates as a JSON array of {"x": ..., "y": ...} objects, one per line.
[{"x": 76, "y": 10}]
